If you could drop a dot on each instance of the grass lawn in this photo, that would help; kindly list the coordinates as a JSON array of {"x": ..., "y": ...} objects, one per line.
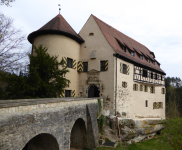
[{"x": 152, "y": 144}]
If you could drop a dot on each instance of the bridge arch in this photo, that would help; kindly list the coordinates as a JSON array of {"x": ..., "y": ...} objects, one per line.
[
  {"x": 78, "y": 138},
  {"x": 43, "y": 141}
]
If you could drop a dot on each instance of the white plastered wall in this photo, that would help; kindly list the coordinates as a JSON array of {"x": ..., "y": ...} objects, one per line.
[
  {"x": 64, "y": 47},
  {"x": 133, "y": 102},
  {"x": 104, "y": 51}
]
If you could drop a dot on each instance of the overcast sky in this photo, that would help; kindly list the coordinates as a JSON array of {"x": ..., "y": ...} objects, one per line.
[{"x": 157, "y": 24}]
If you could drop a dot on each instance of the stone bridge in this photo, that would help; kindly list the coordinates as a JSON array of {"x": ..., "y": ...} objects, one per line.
[{"x": 48, "y": 124}]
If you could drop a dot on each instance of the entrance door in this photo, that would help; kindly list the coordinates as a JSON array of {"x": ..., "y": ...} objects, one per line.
[{"x": 93, "y": 91}]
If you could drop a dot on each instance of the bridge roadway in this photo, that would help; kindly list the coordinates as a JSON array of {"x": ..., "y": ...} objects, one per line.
[{"x": 48, "y": 124}]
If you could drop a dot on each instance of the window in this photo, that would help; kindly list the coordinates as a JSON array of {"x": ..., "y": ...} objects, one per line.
[
  {"x": 156, "y": 76},
  {"x": 148, "y": 60},
  {"x": 146, "y": 88},
  {"x": 132, "y": 53},
  {"x": 135, "y": 87},
  {"x": 141, "y": 87},
  {"x": 124, "y": 69},
  {"x": 161, "y": 78},
  {"x": 124, "y": 49},
  {"x": 157, "y": 105},
  {"x": 67, "y": 93},
  {"x": 124, "y": 84},
  {"x": 85, "y": 66},
  {"x": 151, "y": 75},
  {"x": 104, "y": 65},
  {"x": 144, "y": 73},
  {"x": 91, "y": 34},
  {"x": 153, "y": 62},
  {"x": 163, "y": 91},
  {"x": 69, "y": 62},
  {"x": 146, "y": 103},
  {"x": 141, "y": 57}
]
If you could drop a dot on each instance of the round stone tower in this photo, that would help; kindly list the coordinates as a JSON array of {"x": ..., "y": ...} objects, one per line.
[{"x": 60, "y": 39}]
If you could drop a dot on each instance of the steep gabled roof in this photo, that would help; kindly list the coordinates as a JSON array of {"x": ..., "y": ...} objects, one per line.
[
  {"x": 116, "y": 38},
  {"x": 58, "y": 25}
]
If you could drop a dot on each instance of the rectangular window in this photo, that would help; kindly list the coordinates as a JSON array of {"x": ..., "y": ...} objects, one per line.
[
  {"x": 151, "y": 75},
  {"x": 124, "y": 49},
  {"x": 124, "y": 84},
  {"x": 154, "y": 62},
  {"x": 102, "y": 65},
  {"x": 148, "y": 60},
  {"x": 157, "y": 105},
  {"x": 161, "y": 78},
  {"x": 144, "y": 73},
  {"x": 152, "y": 89},
  {"x": 163, "y": 90},
  {"x": 135, "y": 87},
  {"x": 85, "y": 66},
  {"x": 141, "y": 87},
  {"x": 69, "y": 63},
  {"x": 146, "y": 88},
  {"x": 124, "y": 69},
  {"x": 146, "y": 103},
  {"x": 141, "y": 57},
  {"x": 67, "y": 93},
  {"x": 156, "y": 76}
]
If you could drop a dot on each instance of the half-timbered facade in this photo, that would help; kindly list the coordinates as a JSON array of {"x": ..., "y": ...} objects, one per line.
[{"x": 104, "y": 62}]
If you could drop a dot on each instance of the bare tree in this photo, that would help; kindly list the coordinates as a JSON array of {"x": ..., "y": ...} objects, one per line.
[
  {"x": 11, "y": 46},
  {"x": 6, "y": 2}
]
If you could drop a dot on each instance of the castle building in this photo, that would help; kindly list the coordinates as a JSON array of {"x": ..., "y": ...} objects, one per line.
[{"x": 104, "y": 62}]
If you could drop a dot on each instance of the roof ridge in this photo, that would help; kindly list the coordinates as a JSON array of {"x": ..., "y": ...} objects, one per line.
[{"x": 121, "y": 32}]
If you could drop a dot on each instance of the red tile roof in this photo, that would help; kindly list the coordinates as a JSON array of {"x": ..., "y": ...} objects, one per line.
[
  {"x": 112, "y": 35},
  {"x": 58, "y": 25}
]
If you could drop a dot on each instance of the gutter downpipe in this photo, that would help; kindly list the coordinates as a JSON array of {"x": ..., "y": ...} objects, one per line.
[{"x": 116, "y": 90}]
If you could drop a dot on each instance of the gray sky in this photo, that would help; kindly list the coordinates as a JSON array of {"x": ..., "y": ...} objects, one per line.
[{"x": 157, "y": 24}]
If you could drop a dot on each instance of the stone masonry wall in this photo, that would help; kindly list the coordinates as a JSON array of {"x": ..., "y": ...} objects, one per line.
[{"x": 19, "y": 124}]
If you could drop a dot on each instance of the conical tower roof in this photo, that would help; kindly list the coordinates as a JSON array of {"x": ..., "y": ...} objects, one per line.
[{"x": 58, "y": 25}]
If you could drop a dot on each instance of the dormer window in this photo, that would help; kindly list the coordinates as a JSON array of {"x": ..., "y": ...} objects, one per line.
[
  {"x": 153, "y": 62},
  {"x": 124, "y": 49},
  {"x": 132, "y": 53},
  {"x": 148, "y": 60},
  {"x": 141, "y": 57}
]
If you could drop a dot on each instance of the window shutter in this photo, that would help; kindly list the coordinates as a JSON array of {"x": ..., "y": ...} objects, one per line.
[
  {"x": 121, "y": 67},
  {"x": 133, "y": 87},
  {"x": 80, "y": 66},
  {"x": 128, "y": 70},
  {"x": 122, "y": 84},
  {"x": 161, "y": 90},
  {"x": 153, "y": 89},
  {"x": 106, "y": 65},
  {"x": 62, "y": 94},
  {"x": 73, "y": 93},
  {"x": 126, "y": 84},
  {"x": 165, "y": 91},
  {"x": 65, "y": 61},
  {"x": 161, "y": 104},
  {"x": 150, "y": 89},
  {"x": 136, "y": 87},
  {"x": 74, "y": 64}
]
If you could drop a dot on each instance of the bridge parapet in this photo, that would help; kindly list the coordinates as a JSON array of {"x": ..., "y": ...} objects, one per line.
[{"x": 20, "y": 105}]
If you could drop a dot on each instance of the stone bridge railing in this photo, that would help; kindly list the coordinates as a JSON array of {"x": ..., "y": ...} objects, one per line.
[{"x": 62, "y": 122}]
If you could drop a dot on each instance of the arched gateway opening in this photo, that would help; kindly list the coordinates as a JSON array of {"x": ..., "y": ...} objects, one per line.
[
  {"x": 78, "y": 135},
  {"x": 42, "y": 141},
  {"x": 93, "y": 91}
]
